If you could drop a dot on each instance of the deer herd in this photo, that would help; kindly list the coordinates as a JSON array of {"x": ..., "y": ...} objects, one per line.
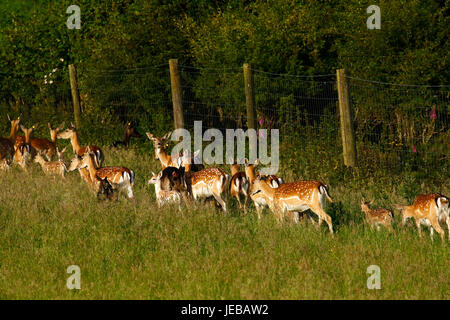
[{"x": 181, "y": 180}]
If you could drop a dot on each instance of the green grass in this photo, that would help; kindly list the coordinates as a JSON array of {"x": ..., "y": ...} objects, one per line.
[{"x": 132, "y": 250}]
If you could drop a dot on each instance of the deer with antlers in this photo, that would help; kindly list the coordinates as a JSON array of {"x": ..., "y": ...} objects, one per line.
[
  {"x": 239, "y": 184},
  {"x": 209, "y": 182},
  {"x": 120, "y": 178},
  {"x": 71, "y": 133},
  {"x": 272, "y": 181},
  {"x": 428, "y": 209},
  {"x": 25, "y": 153},
  {"x": 7, "y": 144},
  {"x": 296, "y": 197},
  {"x": 53, "y": 167},
  {"x": 164, "y": 196},
  {"x": 377, "y": 217}
]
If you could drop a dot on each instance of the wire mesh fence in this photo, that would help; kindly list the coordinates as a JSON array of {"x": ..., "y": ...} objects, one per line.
[{"x": 395, "y": 126}]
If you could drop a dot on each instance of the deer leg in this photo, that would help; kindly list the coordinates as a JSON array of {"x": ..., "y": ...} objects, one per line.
[
  {"x": 323, "y": 215},
  {"x": 296, "y": 217},
  {"x": 245, "y": 202},
  {"x": 448, "y": 227},
  {"x": 435, "y": 225},
  {"x": 258, "y": 210},
  {"x": 220, "y": 201},
  {"x": 418, "y": 227}
]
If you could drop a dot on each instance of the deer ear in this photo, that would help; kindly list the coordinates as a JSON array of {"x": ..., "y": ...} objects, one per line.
[
  {"x": 246, "y": 162},
  {"x": 9, "y": 119},
  {"x": 149, "y": 135},
  {"x": 23, "y": 128},
  {"x": 61, "y": 126},
  {"x": 371, "y": 202},
  {"x": 49, "y": 126},
  {"x": 256, "y": 162},
  {"x": 167, "y": 135},
  {"x": 63, "y": 150}
]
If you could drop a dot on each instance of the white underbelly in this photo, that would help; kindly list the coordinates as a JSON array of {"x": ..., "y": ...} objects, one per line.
[{"x": 297, "y": 208}]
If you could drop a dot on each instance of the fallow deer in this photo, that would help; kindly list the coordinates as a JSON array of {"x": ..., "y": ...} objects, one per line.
[
  {"x": 71, "y": 133},
  {"x": 46, "y": 147},
  {"x": 129, "y": 132},
  {"x": 272, "y": 181},
  {"x": 53, "y": 167},
  {"x": 25, "y": 153},
  {"x": 164, "y": 196},
  {"x": 84, "y": 172},
  {"x": 160, "y": 144},
  {"x": 428, "y": 209},
  {"x": 296, "y": 197},
  {"x": 120, "y": 178},
  {"x": 7, "y": 144},
  {"x": 239, "y": 184},
  {"x": 205, "y": 183},
  {"x": 377, "y": 217}
]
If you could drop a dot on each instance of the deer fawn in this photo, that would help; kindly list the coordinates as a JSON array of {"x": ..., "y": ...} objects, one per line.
[
  {"x": 296, "y": 197},
  {"x": 53, "y": 167},
  {"x": 428, "y": 209},
  {"x": 129, "y": 132},
  {"x": 120, "y": 178},
  {"x": 71, "y": 133},
  {"x": 205, "y": 183},
  {"x": 239, "y": 184},
  {"x": 164, "y": 196},
  {"x": 272, "y": 181},
  {"x": 7, "y": 144},
  {"x": 377, "y": 217},
  {"x": 84, "y": 172},
  {"x": 24, "y": 152}
]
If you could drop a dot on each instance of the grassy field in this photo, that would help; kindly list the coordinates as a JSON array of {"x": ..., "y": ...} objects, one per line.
[{"x": 132, "y": 250}]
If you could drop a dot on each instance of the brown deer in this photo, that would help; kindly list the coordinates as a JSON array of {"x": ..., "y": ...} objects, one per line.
[
  {"x": 25, "y": 153},
  {"x": 46, "y": 147},
  {"x": 296, "y": 197},
  {"x": 84, "y": 172},
  {"x": 205, "y": 183},
  {"x": 428, "y": 209},
  {"x": 160, "y": 144},
  {"x": 272, "y": 181},
  {"x": 129, "y": 132},
  {"x": 7, "y": 144},
  {"x": 71, "y": 133},
  {"x": 377, "y": 217},
  {"x": 120, "y": 178},
  {"x": 53, "y": 167},
  {"x": 239, "y": 184}
]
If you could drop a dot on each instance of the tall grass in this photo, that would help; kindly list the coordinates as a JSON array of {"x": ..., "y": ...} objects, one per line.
[{"x": 133, "y": 250}]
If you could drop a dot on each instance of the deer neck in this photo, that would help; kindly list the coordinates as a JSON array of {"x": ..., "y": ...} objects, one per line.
[
  {"x": 53, "y": 134},
  {"x": 13, "y": 133},
  {"x": 74, "y": 142},
  {"x": 163, "y": 156},
  {"x": 92, "y": 169},
  {"x": 250, "y": 173},
  {"x": 268, "y": 192},
  {"x": 234, "y": 169},
  {"x": 27, "y": 137},
  {"x": 40, "y": 160}
]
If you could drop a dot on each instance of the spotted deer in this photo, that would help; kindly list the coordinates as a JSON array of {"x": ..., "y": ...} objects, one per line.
[
  {"x": 7, "y": 144},
  {"x": 428, "y": 209},
  {"x": 120, "y": 178},
  {"x": 164, "y": 196},
  {"x": 25, "y": 153},
  {"x": 160, "y": 145},
  {"x": 84, "y": 172},
  {"x": 205, "y": 183},
  {"x": 46, "y": 147},
  {"x": 239, "y": 184},
  {"x": 53, "y": 167},
  {"x": 377, "y": 217},
  {"x": 296, "y": 197},
  {"x": 272, "y": 181},
  {"x": 71, "y": 133}
]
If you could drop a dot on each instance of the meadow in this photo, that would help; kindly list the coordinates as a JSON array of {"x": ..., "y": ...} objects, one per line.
[{"x": 133, "y": 250}]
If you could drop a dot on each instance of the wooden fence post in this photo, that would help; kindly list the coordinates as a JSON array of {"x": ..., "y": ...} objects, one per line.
[
  {"x": 348, "y": 135},
  {"x": 175, "y": 83},
  {"x": 75, "y": 95},
  {"x": 249, "y": 97}
]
